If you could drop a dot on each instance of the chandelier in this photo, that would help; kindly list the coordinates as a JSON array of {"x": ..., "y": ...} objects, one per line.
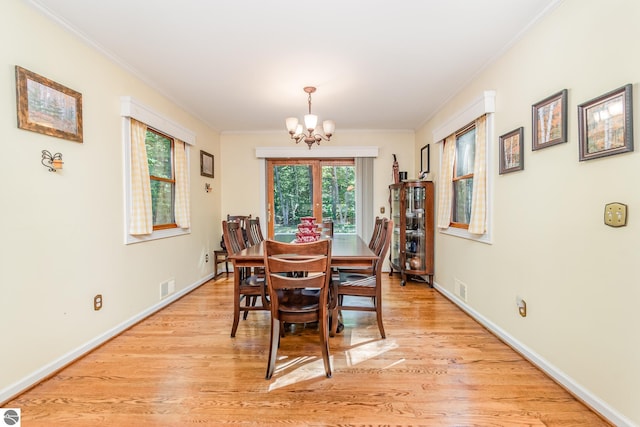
[{"x": 309, "y": 136}]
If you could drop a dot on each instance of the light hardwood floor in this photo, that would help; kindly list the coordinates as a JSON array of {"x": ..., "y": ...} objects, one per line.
[{"x": 179, "y": 367}]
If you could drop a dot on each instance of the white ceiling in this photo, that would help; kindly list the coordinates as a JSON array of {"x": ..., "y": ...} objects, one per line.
[{"x": 240, "y": 65}]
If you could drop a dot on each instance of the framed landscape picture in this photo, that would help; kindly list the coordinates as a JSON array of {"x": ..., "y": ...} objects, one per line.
[
  {"x": 47, "y": 107},
  {"x": 549, "y": 121},
  {"x": 606, "y": 124},
  {"x": 512, "y": 151},
  {"x": 206, "y": 164}
]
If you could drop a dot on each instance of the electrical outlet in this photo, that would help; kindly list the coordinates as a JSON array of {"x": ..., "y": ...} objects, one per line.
[
  {"x": 206, "y": 257},
  {"x": 97, "y": 302},
  {"x": 522, "y": 306},
  {"x": 615, "y": 214}
]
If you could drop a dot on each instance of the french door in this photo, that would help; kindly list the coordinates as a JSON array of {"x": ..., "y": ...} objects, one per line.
[{"x": 320, "y": 188}]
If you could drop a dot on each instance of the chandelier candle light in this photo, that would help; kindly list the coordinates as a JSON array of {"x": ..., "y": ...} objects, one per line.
[{"x": 310, "y": 121}]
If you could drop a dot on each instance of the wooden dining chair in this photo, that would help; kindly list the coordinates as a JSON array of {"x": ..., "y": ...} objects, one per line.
[
  {"x": 254, "y": 232},
  {"x": 376, "y": 244},
  {"x": 247, "y": 286},
  {"x": 298, "y": 281},
  {"x": 363, "y": 285}
]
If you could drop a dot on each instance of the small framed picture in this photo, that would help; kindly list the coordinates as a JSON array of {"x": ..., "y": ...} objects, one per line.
[
  {"x": 606, "y": 124},
  {"x": 206, "y": 164},
  {"x": 512, "y": 151},
  {"x": 549, "y": 121},
  {"x": 425, "y": 159},
  {"x": 47, "y": 107}
]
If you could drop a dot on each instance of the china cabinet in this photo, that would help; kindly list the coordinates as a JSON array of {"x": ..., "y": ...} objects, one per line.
[{"x": 411, "y": 252}]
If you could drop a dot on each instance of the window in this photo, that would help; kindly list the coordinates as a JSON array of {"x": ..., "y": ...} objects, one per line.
[
  {"x": 156, "y": 174},
  {"x": 463, "y": 184},
  {"x": 464, "y": 161},
  {"x": 161, "y": 173},
  {"x": 322, "y": 188}
]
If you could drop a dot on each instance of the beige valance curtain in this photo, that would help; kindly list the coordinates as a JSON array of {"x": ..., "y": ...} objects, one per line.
[
  {"x": 445, "y": 182},
  {"x": 141, "y": 215},
  {"x": 478, "y": 220},
  {"x": 183, "y": 201}
]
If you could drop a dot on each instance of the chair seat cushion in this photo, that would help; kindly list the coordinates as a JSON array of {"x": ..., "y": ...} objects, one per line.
[
  {"x": 254, "y": 280},
  {"x": 365, "y": 282}
]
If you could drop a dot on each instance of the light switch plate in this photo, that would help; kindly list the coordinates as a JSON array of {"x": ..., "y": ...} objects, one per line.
[{"x": 615, "y": 214}]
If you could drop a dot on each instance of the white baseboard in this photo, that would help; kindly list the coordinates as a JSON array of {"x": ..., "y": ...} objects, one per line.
[
  {"x": 29, "y": 381},
  {"x": 560, "y": 377}
]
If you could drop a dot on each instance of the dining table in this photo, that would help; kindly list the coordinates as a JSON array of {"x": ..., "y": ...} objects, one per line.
[{"x": 347, "y": 250}]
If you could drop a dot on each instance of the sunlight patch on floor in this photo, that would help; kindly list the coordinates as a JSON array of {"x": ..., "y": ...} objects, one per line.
[
  {"x": 368, "y": 351},
  {"x": 397, "y": 362},
  {"x": 310, "y": 367}
]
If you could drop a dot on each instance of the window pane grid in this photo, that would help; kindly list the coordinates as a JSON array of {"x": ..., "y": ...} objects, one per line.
[
  {"x": 161, "y": 170},
  {"x": 463, "y": 177}
]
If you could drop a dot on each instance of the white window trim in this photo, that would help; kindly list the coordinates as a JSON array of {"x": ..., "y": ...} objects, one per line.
[
  {"x": 485, "y": 104},
  {"x": 131, "y": 108},
  {"x": 321, "y": 151}
]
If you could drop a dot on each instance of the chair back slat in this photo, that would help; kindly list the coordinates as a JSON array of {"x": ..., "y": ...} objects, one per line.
[
  {"x": 284, "y": 264},
  {"x": 289, "y": 282},
  {"x": 376, "y": 235},
  {"x": 254, "y": 231},
  {"x": 382, "y": 245}
]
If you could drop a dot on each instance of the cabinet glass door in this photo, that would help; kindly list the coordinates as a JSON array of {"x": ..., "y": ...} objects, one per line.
[
  {"x": 415, "y": 230},
  {"x": 395, "y": 217}
]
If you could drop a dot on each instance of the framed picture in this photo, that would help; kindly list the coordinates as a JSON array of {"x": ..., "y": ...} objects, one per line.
[
  {"x": 549, "y": 121},
  {"x": 606, "y": 124},
  {"x": 512, "y": 151},
  {"x": 425, "y": 159},
  {"x": 47, "y": 107},
  {"x": 206, "y": 164}
]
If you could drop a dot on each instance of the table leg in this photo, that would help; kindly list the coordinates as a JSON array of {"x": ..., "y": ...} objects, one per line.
[{"x": 236, "y": 300}]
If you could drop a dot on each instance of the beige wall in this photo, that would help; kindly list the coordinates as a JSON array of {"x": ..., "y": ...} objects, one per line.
[
  {"x": 550, "y": 246},
  {"x": 241, "y": 167},
  {"x": 64, "y": 231}
]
